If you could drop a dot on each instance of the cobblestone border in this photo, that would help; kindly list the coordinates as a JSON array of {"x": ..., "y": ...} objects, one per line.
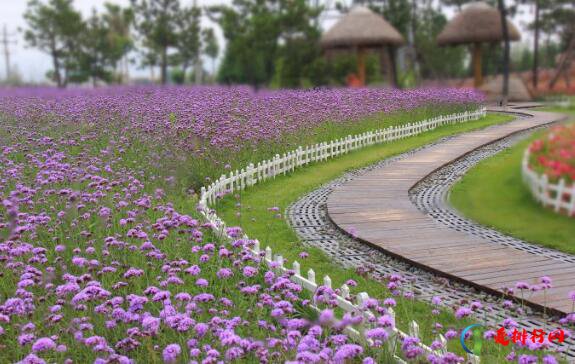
[{"x": 308, "y": 217}]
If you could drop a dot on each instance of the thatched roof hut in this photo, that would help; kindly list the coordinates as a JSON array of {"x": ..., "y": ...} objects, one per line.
[
  {"x": 361, "y": 29},
  {"x": 477, "y": 23}
]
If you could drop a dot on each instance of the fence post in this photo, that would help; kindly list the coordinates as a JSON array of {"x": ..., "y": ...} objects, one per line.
[
  {"x": 250, "y": 177},
  {"x": 242, "y": 180},
  {"x": 473, "y": 359},
  {"x": 571, "y": 210},
  {"x": 543, "y": 189},
  {"x": 268, "y": 254},
  {"x": 276, "y": 165},
  {"x": 414, "y": 329},
  {"x": 443, "y": 342},
  {"x": 256, "y": 248},
  {"x": 345, "y": 291},
  {"x": 296, "y": 268},
  {"x": 280, "y": 261},
  {"x": 311, "y": 276},
  {"x": 559, "y": 197}
]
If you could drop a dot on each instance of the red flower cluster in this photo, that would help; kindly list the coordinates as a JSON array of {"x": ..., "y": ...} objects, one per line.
[{"x": 554, "y": 154}]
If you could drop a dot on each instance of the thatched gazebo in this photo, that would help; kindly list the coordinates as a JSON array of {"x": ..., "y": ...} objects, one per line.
[
  {"x": 478, "y": 23},
  {"x": 362, "y": 29}
]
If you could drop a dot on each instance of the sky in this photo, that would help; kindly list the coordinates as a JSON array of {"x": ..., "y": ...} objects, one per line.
[{"x": 33, "y": 64}]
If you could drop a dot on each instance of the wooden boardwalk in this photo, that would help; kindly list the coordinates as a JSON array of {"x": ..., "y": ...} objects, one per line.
[{"x": 377, "y": 209}]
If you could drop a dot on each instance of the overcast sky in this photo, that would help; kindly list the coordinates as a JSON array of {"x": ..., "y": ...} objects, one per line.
[{"x": 32, "y": 64}]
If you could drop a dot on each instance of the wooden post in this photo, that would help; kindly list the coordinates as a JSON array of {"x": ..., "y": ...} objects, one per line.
[
  {"x": 361, "y": 65},
  {"x": 477, "y": 74}
]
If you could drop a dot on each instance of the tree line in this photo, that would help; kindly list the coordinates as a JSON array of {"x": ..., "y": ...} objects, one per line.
[
  {"x": 162, "y": 32},
  {"x": 273, "y": 43}
]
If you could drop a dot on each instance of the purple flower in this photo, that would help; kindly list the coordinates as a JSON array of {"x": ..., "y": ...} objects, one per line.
[
  {"x": 326, "y": 317},
  {"x": 224, "y": 273},
  {"x": 463, "y": 312},
  {"x": 522, "y": 285},
  {"x": 201, "y": 329},
  {"x": 450, "y": 334},
  {"x": 201, "y": 282},
  {"x": 347, "y": 351},
  {"x": 43, "y": 344},
  {"x": 411, "y": 348},
  {"x": 527, "y": 359},
  {"x": 549, "y": 359},
  {"x": 249, "y": 271},
  {"x": 171, "y": 353},
  {"x": 377, "y": 333},
  {"x": 390, "y": 302}
]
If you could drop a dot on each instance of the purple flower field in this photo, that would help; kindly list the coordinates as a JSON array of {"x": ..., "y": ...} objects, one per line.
[
  {"x": 229, "y": 125},
  {"x": 222, "y": 117},
  {"x": 103, "y": 258}
]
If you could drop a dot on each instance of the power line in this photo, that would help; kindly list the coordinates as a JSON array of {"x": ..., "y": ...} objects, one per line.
[{"x": 6, "y": 42}]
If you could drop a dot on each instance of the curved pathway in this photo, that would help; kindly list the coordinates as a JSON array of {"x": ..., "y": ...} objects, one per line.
[{"x": 376, "y": 209}]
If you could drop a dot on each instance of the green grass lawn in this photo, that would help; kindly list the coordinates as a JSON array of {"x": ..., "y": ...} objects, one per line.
[
  {"x": 493, "y": 194},
  {"x": 250, "y": 210}
]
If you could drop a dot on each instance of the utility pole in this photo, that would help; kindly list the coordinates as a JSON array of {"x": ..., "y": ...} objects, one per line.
[{"x": 6, "y": 44}]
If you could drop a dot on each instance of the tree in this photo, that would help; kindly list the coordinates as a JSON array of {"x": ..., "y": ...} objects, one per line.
[
  {"x": 538, "y": 26},
  {"x": 93, "y": 59},
  {"x": 55, "y": 28},
  {"x": 559, "y": 20},
  {"x": 103, "y": 45},
  {"x": 157, "y": 23},
  {"x": 436, "y": 62},
  {"x": 211, "y": 46},
  {"x": 506, "y": 48},
  {"x": 188, "y": 41},
  {"x": 119, "y": 22},
  {"x": 256, "y": 31}
]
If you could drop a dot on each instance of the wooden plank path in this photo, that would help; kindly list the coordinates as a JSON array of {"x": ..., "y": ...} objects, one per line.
[{"x": 376, "y": 208}]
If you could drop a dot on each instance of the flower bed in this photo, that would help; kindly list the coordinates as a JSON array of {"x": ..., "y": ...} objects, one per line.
[{"x": 548, "y": 169}]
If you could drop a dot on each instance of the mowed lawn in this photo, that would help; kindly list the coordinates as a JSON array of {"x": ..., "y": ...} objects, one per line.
[{"x": 493, "y": 194}]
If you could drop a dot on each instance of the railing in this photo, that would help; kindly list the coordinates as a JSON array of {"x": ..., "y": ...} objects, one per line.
[
  {"x": 288, "y": 162},
  {"x": 558, "y": 196}
]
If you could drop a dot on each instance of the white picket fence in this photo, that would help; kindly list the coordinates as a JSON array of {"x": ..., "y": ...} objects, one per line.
[
  {"x": 288, "y": 162},
  {"x": 558, "y": 196}
]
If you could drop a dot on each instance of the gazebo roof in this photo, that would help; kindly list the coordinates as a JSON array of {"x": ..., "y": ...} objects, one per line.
[
  {"x": 361, "y": 27},
  {"x": 477, "y": 23}
]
